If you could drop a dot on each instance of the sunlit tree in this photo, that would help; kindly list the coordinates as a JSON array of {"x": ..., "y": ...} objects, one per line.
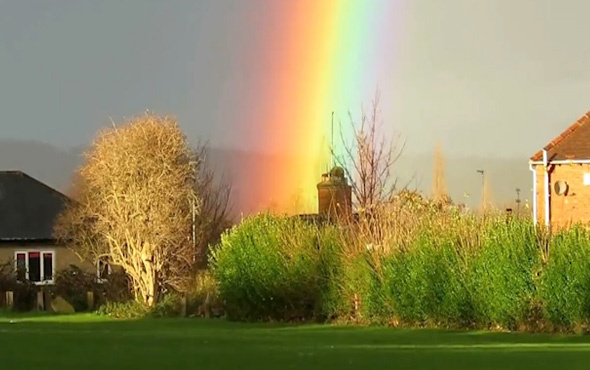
[{"x": 136, "y": 200}]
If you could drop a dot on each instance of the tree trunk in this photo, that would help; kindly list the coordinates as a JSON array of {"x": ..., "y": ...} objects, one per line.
[{"x": 147, "y": 289}]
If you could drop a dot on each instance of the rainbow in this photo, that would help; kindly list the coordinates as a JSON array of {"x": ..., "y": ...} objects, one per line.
[{"x": 325, "y": 58}]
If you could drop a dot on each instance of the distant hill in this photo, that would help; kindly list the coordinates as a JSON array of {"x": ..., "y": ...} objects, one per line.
[
  {"x": 55, "y": 166},
  {"x": 504, "y": 175}
]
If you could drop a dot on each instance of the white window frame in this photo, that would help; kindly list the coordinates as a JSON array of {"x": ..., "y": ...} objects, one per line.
[
  {"x": 98, "y": 279},
  {"x": 41, "y": 264}
]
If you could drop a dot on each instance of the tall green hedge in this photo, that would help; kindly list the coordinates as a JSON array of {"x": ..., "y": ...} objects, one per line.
[
  {"x": 565, "y": 282},
  {"x": 274, "y": 267}
]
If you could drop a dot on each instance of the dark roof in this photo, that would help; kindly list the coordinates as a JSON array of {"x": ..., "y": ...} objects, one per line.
[
  {"x": 28, "y": 208},
  {"x": 572, "y": 144}
]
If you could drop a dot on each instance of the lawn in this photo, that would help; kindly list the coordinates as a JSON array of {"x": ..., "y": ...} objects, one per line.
[{"x": 91, "y": 342}]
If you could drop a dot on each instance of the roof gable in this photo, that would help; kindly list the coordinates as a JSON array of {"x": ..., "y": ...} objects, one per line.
[
  {"x": 28, "y": 208},
  {"x": 572, "y": 144}
]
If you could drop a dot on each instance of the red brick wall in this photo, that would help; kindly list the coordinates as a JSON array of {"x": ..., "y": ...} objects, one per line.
[
  {"x": 334, "y": 200},
  {"x": 564, "y": 209}
]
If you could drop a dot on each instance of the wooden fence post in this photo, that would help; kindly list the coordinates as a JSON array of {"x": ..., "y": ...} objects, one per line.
[
  {"x": 183, "y": 304},
  {"x": 40, "y": 301},
  {"x": 90, "y": 300},
  {"x": 10, "y": 300}
]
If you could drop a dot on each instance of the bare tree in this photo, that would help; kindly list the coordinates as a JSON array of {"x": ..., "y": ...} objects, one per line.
[
  {"x": 439, "y": 183},
  {"x": 135, "y": 204},
  {"x": 215, "y": 216},
  {"x": 369, "y": 159}
]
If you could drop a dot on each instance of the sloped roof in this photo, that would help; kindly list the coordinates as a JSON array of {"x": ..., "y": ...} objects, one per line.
[
  {"x": 28, "y": 208},
  {"x": 572, "y": 144}
]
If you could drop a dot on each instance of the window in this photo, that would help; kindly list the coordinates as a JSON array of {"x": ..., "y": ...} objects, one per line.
[
  {"x": 103, "y": 269},
  {"x": 35, "y": 266},
  {"x": 21, "y": 266},
  {"x": 47, "y": 266}
]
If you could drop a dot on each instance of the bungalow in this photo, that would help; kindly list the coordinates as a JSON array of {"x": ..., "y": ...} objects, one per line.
[
  {"x": 28, "y": 210},
  {"x": 561, "y": 177}
]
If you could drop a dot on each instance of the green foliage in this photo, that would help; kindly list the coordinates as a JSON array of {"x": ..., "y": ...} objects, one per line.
[
  {"x": 502, "y": 275},
  {"x": 169, "y": 305},
  {"x": 7, "y": 276},
  {"x": 25, "y": 292},
  {"x": 123, "y": 310},
  {"x": 203, "y": 297},
  {"x": 271, "y": 267},
  {"x": 565, "y": 282},
  {"x": 117, "y": 288},
  {"x": 460, "y": 271},
  {"x": 72, "y": 284},
  {"x": 426, "y": 282}
]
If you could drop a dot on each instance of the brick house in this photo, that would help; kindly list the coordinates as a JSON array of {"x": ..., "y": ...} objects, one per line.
[
  {"x": 28, "y": 210},
  {"x": 561, "y": 178}
]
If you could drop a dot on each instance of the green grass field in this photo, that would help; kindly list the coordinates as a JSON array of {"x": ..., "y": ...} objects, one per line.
[{"x": 91, "y": 342}]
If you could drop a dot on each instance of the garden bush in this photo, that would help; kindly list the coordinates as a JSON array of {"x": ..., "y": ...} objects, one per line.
[
  {"x": 169, "y": 305},
  {"x": 501, "y": 278},
  {"x": 203, "y": 297},
  {"x": 565, "y": 281},
  {"x": 72, "y": 284},
  {"x": 123, "y": 310},
  {"x": 426, "y": 283},
  {"x": 269, "y": 267},
  {"x": 440, "y": 269},
  {"x": 25, "y": 293},
  {"x": 117, "y": 288}
]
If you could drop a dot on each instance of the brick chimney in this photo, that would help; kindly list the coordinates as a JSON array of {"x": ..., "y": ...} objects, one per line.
[{"x": 334, "y": 194}]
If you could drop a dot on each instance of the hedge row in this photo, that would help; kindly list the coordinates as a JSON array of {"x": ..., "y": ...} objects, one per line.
[{"x": 503, "y": 274}]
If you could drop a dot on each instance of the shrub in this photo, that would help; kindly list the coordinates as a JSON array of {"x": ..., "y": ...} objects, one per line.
[
  {"x": 501, "y": 276},
  {"x": 25, "y": 293},
  {"x": 363, "y": 295},
  {"x": 72, "y": 284},
  {"x": 203, "y": 296},
  {"x": 442, "y": 267},
  {"x": 123, "y": 310},
  {"x": 7, "y": 276},
  {"x": 169, "y": 305},
  {"x": 269, "y": 267},
  {"x": 565, "y": 282},
  {"x": 25, "y": 296},
  {"x": 330, "y": 282},
  {"x": 117, "y": 288}
]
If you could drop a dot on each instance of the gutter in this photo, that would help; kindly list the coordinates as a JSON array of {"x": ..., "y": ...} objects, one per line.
[
  {"x": 534, "y": 171},
  {"x": 563, "y": 161},
  {"x": 546, "y": 188}
]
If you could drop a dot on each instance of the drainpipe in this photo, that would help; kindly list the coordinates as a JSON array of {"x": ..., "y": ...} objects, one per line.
[
  {"x": 546, "y": 188},
  {"x": 534, "y": 171}
]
